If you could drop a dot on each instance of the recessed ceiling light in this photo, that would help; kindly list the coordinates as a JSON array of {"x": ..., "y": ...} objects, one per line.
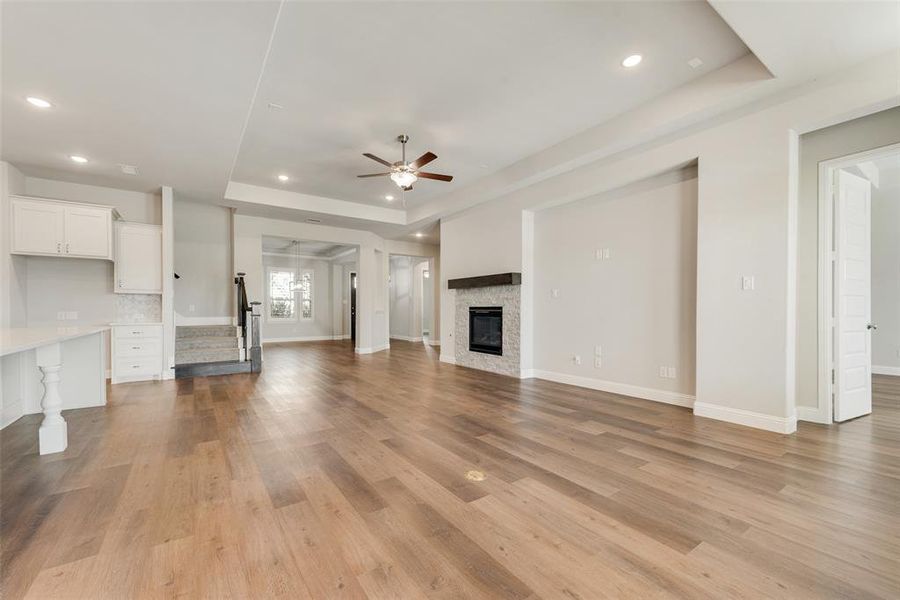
[
  {"x": 39, "y": 102},
  {"x": 419, "y": 234},
  {"x": 79, "y": 159},
  {"x": 128, "y": 169},
  {"x": 632, "y": 61},
  {"x": 274, "y": 106},
  {"x": 389, "y": 198},
  {"x": 283, "y": 178}
]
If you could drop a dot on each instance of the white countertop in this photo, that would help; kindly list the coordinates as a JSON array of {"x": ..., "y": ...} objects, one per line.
[
  {"x": 134, "y": 323},
  {"x": 19, "y": 339}
]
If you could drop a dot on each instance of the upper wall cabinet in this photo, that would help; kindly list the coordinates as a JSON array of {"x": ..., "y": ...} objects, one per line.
[
  {"x": 57, "y": 228},
  {"x": 138, "y": 258}
]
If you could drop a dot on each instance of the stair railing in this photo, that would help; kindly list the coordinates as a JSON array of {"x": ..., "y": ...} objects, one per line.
[{"x": 248, "y": 322}]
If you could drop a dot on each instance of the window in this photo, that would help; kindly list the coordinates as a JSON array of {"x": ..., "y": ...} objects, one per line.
[
  {"x": 306, "y": 292},
  {"x": 281, "y": 295}
]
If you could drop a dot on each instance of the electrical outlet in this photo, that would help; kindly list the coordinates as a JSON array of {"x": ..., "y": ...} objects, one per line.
[
  {"x": 61, "y": 315},
  {"x": 662, "y": 372},
  {"x": 598, "y": 254},
  {"x": 606, "y": 254},
  {"x": 191, "y": 308},
  {"x": 671, "y": 373},
  {"x": 598, "y": 351},
  {"x": 598, "y": 362},
  {"x": 576, "y": 359},
  {"x": 748, "y": 283},
  {"x": 554, "y": 293}
]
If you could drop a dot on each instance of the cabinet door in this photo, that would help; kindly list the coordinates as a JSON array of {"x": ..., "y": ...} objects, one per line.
[
  {"x": 88, "y": 232},
  {"x": 139, "y": 259},
  {"x": 37, "y": 227}
]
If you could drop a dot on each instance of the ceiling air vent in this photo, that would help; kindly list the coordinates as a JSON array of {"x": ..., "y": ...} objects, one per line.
[{"x": 129, "y": 169}]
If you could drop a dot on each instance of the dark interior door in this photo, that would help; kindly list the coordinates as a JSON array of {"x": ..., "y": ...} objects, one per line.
[{"x": 353, "y": 307}]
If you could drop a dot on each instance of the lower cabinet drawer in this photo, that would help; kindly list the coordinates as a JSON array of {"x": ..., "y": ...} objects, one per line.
[
  {"x": 123, "y": 332},
  {"x": 128, "y": 367},
  {"x": 137, "y": 347}
]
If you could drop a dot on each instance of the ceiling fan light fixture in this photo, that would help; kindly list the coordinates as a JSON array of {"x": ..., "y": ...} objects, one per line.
[{"x": 403, "y": 178}]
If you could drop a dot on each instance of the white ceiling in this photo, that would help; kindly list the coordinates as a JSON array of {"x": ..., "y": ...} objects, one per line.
[
  {"x": 481, "y": 85},
  {"x": 165, "y": 86},
  {"x": 303, "y": 247},
  {"x": 181, "y": 89}
]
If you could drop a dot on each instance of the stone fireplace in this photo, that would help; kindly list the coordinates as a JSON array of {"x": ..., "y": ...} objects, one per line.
[{"x": 487, "y": 323}]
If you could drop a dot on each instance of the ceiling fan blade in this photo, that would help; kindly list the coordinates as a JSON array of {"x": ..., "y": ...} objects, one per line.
[
  {"x": 437, "y": 176},
  {"x": 374, "y": 175},
  {"x": 376, "y": 159},
  {"x": 423, "y": 160}
]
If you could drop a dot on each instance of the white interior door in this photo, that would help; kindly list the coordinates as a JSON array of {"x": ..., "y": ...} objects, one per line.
[{"x": 852, "y": 297}]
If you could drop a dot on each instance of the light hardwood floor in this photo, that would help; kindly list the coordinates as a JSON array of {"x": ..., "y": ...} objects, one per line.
[{"x": 340, "y": 476}]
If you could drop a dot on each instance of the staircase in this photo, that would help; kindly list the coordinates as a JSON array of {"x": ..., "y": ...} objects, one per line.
[
  {"x": 203, "y": 350},
  {"x": 209, "y": 350}
]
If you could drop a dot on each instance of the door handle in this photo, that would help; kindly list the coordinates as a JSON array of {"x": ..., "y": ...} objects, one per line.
[{"x": 871, "y": 326}]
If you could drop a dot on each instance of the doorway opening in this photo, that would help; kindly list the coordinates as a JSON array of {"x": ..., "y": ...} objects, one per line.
[
  {"x": 411, "y": 306},
  {"x": 859, "y": 294}
]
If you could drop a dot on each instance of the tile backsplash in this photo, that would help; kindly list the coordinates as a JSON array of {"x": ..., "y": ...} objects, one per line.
[{"x": 138, "y": 308}]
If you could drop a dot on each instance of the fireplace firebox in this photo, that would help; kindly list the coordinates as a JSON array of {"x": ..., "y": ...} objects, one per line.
[{"x": 486, "y": 329}]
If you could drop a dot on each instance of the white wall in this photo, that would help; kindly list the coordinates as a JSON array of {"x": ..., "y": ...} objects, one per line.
[
  {"x": 139, "y": 207},
  {"x": 320, "y": 327},
  {"x": 858, "y": 135},
  {"x": 203, "y": 254},
  {"x": 12, "y": 268},
  {"x": 747, "y": 219},
  {"x": 640, "y": 304},
  {"x": 886, "y": 277}
]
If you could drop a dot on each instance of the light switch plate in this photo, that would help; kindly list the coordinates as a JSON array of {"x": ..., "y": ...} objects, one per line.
[
  {"x": 61, "y": 315},
  {"x": 554, "y": 293},
  {"x": 576, "y": 359},
  {"x": 671, "y": 373},
  {"x": 598, "y": 351},
  {"x": 72, "y": 315},
  {"x": 598, "y": 362},
  {"x": 748, "y": 283}
]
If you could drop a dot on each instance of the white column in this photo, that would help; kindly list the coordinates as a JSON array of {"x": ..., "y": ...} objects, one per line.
[{"x": 53, "y": 433}]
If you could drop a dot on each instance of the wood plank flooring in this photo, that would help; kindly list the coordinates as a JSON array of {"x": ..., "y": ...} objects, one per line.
[{"x": 333, "y": 475}]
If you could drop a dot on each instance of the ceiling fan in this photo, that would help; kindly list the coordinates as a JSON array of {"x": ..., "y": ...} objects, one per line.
[{"x": 405, "y": 174}]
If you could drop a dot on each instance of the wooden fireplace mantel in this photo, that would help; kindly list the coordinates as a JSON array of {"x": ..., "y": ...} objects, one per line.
[{"x": 485, "y": 281}]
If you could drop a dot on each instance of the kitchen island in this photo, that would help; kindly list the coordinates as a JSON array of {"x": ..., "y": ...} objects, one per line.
[{"x": 51, "y": 369}]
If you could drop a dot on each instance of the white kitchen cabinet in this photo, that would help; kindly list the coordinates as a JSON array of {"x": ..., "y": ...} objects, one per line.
[
  {"x": 138, "y": 258},
  {"x": 136, "y": 352},
  {"x": 46, "y": 227}
]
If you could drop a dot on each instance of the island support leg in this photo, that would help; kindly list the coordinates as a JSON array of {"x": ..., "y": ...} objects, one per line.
[{"x": 53, "y": 435}]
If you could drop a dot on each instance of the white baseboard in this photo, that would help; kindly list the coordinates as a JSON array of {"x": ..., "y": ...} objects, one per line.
[
  {"x": 746, "y": 417},
  {"x": 811, "y": 414},
  {"x": 432, "y": 342},
  {"x": 406, "y": 338},
  {"x": 373, "y": 349},
  {"x": 182, "y": 320},
  {"x": 448, "y": 359},
  {"x": 895, "y": 371},
  {"x": 527, "y": 374},
  {"x": 302, "y": 338},
  {"x": 626, "y": 389}
]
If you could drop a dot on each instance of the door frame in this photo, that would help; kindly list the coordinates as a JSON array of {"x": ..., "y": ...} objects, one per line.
[
  {"x": 824, "y": 411},
  {"x": 351, "y": 300}
]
